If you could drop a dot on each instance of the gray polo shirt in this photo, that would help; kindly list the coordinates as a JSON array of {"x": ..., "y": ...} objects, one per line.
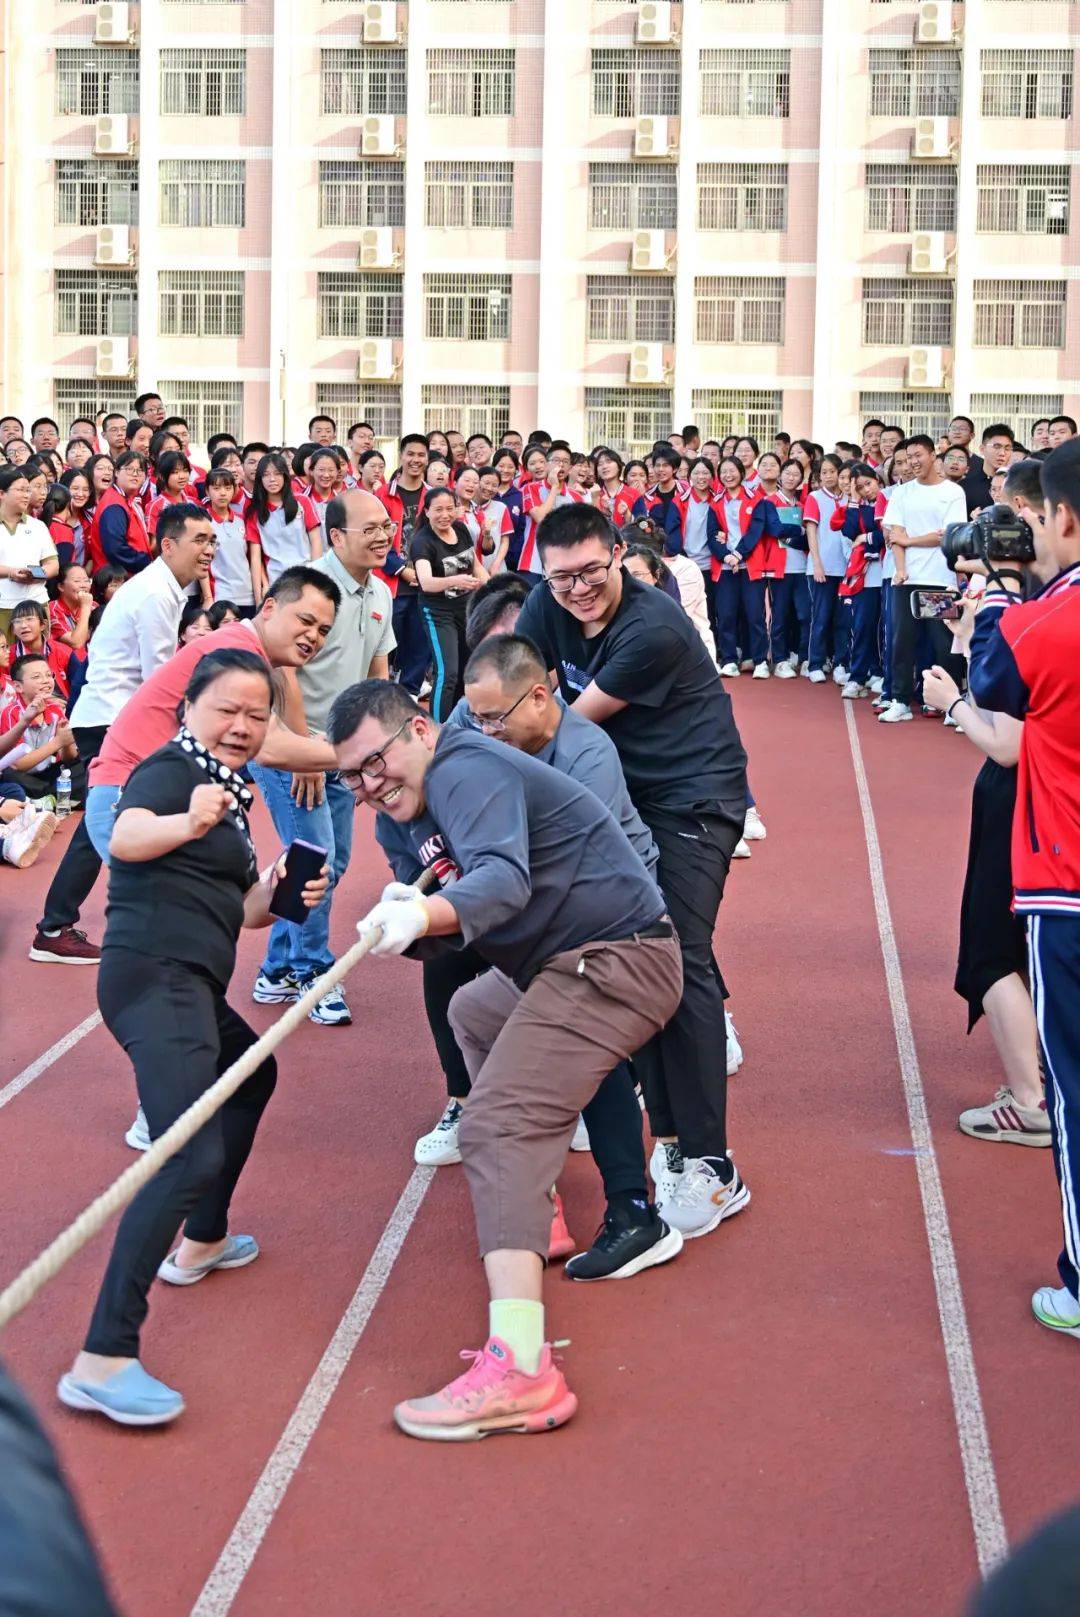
[{"x": 363, "y": 629}]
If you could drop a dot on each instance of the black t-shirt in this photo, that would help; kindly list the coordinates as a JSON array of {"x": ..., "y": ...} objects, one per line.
[
  {"x": 976, "y": 487},
  {"x": 189, "y": 904},
  {"x": 677, "y": 739},
  {"x": 447, "y": 561},
  {"x": 410, "y": 503}
]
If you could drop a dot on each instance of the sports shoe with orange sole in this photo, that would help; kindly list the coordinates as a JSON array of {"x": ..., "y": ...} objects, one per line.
[
  {"x": 561, "y": 1243},
  {"x": 491, "y": 1396}
]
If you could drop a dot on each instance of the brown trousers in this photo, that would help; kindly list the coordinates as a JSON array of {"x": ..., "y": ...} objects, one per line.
[{"x": 535, "y": 1059}]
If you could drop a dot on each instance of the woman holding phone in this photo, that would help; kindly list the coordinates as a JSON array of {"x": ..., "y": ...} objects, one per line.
[{"x": 182, "y": 882}]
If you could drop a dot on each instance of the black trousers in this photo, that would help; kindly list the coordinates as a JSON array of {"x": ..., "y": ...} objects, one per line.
[
  {"x": 683, "y": 1070},
  {"x": 444, "y": 974},
  {"x": 78, "y": 869},
  {"x": 175, "y": 1025},
  {"x": 905, "y": 636},
  {"x": 449, "y": 654}
]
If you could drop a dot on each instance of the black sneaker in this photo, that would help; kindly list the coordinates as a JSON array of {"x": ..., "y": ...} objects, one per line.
[{"x": 622, "y": 1249}]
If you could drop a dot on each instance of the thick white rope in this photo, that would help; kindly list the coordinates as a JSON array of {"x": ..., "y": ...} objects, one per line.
[{"x": 25, "y": 1287}]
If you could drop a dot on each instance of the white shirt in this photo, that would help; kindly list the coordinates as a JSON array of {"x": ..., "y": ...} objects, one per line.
[
  {"x": 921, "y": 508},
  {"x": 691, "y": 582},
  {"x": 833, "y": 548},
  {"x": 137, "y": 633},
  {"x": 29, "y": 545},
  {"x": 230, "y": 567}
]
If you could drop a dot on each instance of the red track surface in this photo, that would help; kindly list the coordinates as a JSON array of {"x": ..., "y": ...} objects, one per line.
[{"x": 768, "y": 1421}]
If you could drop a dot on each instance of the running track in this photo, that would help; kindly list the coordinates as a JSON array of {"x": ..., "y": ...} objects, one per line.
[{"x": 771, "y": 1420}]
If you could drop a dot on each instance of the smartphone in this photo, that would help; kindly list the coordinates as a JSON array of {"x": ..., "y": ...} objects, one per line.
[
  {"x": 36, "y": 572},
  {"x": 942, "y": 605},
  {"x": 303, "y": 863}
]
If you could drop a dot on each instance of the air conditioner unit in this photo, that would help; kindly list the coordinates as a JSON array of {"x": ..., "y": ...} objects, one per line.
[
  {"x": 655, "y": 25},
  {"x": 929, "y": 253},
  {"x": 379, "y": 23},
  {"x": 933, "y": 24},
  {"x": 376, "y": 250},
  {"x": 113, "y": 24},
  {"x": 114, "y": 357},
  {"x": 646, "y": 364},
  {"x": 378, "y": 137},
  {"x": 652, "y": 137},
  {"x": 926, "y": 367},
  {"x": 375, "y": 360},
  {"x": 112, "y": 135},
  {"x": 932, "y": 138},
  {"x": 649, "y": 250},
  {"x": 114, "y": 244}
]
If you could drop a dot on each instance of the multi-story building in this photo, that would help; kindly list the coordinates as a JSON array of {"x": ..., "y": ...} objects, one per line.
[{"x": 606, "y": 217}]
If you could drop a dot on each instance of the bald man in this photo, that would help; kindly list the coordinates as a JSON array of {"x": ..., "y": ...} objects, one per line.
[{"x": 317, "y": 808}]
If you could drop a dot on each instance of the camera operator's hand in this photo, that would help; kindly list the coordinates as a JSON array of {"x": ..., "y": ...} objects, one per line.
[
  {"x": 963, "y": 626},
  {"x": 970, "y": 569},
  {"x": 939, "y": 688}
]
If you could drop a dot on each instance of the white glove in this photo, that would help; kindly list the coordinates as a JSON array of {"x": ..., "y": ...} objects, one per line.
[
  {"x": 402, "y": 922},
  {"x": 398, "y": 890}
]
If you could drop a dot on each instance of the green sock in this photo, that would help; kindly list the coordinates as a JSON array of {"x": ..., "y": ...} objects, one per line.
[{"x": 520, "y": 1325}]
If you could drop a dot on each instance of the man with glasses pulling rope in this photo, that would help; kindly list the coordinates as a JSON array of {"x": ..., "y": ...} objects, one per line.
[{"x": 548, "y": 890}]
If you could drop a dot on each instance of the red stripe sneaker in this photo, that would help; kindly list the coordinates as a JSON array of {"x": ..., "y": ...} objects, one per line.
[
  {"x": 561, "y": 1243},
  {"x": 493, "y": 1395},
  {"x": 1005, "y": 1120}
]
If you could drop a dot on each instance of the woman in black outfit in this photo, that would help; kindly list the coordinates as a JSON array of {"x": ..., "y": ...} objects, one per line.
[
  {"x": 182, "y": 882},
  {"x": 447, "y": 571}
]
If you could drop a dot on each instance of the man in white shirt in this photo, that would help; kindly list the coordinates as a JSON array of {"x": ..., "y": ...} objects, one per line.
[
  {"x": 137, "y": 633},
  {"x": 919, "y": 512}
]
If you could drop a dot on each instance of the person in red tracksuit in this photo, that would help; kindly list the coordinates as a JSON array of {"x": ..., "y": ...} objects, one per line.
[
  {"x": 743, "y": 523},
  {"x": 613, "y": 496}
]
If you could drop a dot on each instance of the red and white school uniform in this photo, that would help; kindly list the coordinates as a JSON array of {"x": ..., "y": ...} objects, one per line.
[
  {"x": 138, "y": 537},
  {"x": 35, "y": 735},
  {"x": 161, "y": 503},
  {"x": 284, "y": 544},
  {"x": 230, "y": 570},
  {"x": 533, "y": 494},
  {"x": 617, "y": 507},
  {"x": 495, "y": 524},
  {"x": 832, "y": 546},
  {"x": 57, "y": 655},
  {"x": 61, "y": 622}
]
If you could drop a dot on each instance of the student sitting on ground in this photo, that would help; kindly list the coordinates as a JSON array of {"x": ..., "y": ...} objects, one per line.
[{"x": 45, "y": 744}]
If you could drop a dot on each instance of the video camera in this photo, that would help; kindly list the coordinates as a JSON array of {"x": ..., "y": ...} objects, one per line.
[{"x": 995, "y": 535}]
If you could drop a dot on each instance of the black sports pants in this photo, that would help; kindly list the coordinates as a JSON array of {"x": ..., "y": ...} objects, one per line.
[{"x": 78, "y": 869}]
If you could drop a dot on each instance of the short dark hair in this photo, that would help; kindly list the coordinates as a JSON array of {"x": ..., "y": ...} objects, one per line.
[
  {"x": 874, "y": 421},
  {"x": 924, "y": 439},
  {"x": 322, "y": 417},
  {"x": 1000, "y": 429},
  {"x": 335, "y": 513},
  {"x": 412, "y": 438},
  {"x": 478, "y": 437},
  {"x": 130, "y": 455},
  {"x": 10, "y": 475},
  {"x": 21, "y": 608},
  {"x": 356, "y": 428},
  {"x": 691, "y": 431},
  {"x": 134, "y": 426},
  {"x": 44, "y": 421},
  {"x": 1025, "y": 479},
  {"x": 862, "y": 468},
  {"x": 1061, "y": 475},
  {"x": 378, "y": 699},
  {"x": 664, "y": 454},
  {"x": 173, "y": 421},
  {"x": 23, "y": 662},
  {"x": 225, "y": 660},
  {"x": 17, "y": 420},
  {"x": 571, "y": 524},
  {"x": 1065, "y": 420},
  {"x": 218, "y": 476},
  {"x": 502, "y": 594},
  {"x": 511, "y": 657},
  {"x": 956, "y": 449},
  {"x": 291, "y": 584},
  {"x": 254, "y": 449},
  {"x": 966, "y": 419},
  {"x": 144, "y": 399},
  {"x": 215, "y": 441}
]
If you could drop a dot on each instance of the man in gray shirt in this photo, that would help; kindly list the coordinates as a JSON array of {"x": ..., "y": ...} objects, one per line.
[{"x": 550, "y": 891}]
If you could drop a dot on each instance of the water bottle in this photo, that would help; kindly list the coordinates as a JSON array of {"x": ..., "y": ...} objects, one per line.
[{"x": 63, "y": 793}]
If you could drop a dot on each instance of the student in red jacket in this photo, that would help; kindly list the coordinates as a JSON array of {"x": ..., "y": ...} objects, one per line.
[
  {"x": 118, "y": 534},
  {"x": 405, "y": 497},
  {"x": 613, "y": 496},
  {"x": 742, "y": 525}
]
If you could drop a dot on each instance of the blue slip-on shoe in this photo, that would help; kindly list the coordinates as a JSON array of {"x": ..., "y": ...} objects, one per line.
[
  {"x": 131, "y": 1397},
  {"x": 238, "y": 1251}
]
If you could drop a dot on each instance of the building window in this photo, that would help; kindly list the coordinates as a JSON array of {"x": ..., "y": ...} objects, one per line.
[
  {"x": 915, "y": 83},
  {"x": 739, "y": 308},
  {"x": 203, "y": 83},
  {"x": 92, "y": 81},
  {"x": 361, "y": 192},
  {"x": 742, "y": 196},
  {"x": 629, "y": 82},
  {"x": 918, "y": 412},
  {"x": 203, "y": 192},
  {"x": 85, "y": 395},
  {"x": 1020, "y": 314},
  {"x": 378, "y": 403},
  {"x": 754, "y": 83},
  {"x": 201, "y": 303},
  {"x": 633, "y": 196},
  {"x": 902, "y": 197},
  {"x": 1020, "y": 410},
  {"x": 467, "y": 308},
  {"x": 751, "y": 412},
  {"x": 207, "y": 407},
  {"x": 907, "y": 311},
  {"x": 627, "y": 419},
  {"x": 363, "y": 80},
  {"x": 1027, "y": 84},
  {"x": 630, "y": 308},
  {"x": 356, "y": 304},
  {"x": 1030, "y": 199},
  {"x": 466, "y": 195},
  {"x": 96, "y": 303},
  {"x": 471, "y": 83},
  {"x": 469, "y": 409},
  {"x": 97, "y": 191}
]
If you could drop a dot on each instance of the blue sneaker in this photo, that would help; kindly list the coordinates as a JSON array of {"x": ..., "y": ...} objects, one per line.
[
  {"x": 330, "y": 1011},
  {"x": 131, "y": 1397},
  {"x": 238, "y": 1251},
  {"x": 275, "y": 990}
]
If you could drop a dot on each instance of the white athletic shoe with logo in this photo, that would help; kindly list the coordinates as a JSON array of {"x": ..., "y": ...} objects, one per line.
[
  {"x": 701, "y": 1200},
  {"x": 854, "y": 689},
  {"x": 817, "y": 676},
  {"x": 1057, "y": 1309},
  {"x": 665, "y": 1168},
  {"x": 138, "y": 1135},
  {"x": 729, "y": 671},
  {"x": 754, "y": 826},
  {"x": 877, "y": 684},
  {"x": 762, "y": 671},
  {"x": 839, "y": 674},
  {"x": 439, "y": 1148},
  {"x": 1006, "y": 1120},
  {"x": 784, "y": 671},
  {"x": 741, "y": 849},
  {"x": 895, "y": 713}
]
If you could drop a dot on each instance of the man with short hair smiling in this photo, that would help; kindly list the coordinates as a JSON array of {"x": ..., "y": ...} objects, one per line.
[
  {"x": 479, "y": 450},
  {"x": 45, "y": 434},
  {"x": 150, "y": 409},
  {"x": 114, "y": 432}
]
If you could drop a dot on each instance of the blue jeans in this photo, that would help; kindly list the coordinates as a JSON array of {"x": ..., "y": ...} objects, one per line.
[
  {"x": 304, "y": 951},
  {"x": 99, "y": 815}
]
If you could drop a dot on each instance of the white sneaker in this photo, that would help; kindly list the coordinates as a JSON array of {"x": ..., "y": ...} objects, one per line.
[
  {"x": 665, "y": 1167},
  {"x": 138, "y": 1135},
  {"x": 580, "y": 1142},
  {"x": 804, "y": 669},
  {"x": 425, "y": 690},
  {"x": 746, "y": 666},
  {"x": 23, "y": 839},
  {"x": 762, "y": 671},
  {"x": 734, "y": 1048},
  {"x": 839, "y": 674},
  {"x": 817, "y": 676},
  {"x": 741, "y": 849},
  {"x": 1057, "y": 1309},
  {"x": 701, "y": 1200},
  {"x": 729, "y": 671},
  {"x": 440, "y": 1148},
  {"x": 754, "y": 826},
  {"x": 877, "y": 684},
  {"x": 950, "y": 722},
  {"x": 895, "y": 713},
  {"x": 784, "y": 671},
  {"x": 854, "y": 689}
]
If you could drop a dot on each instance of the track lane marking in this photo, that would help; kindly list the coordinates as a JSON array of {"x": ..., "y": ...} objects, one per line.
[
  {"x": 991, "y": 1542},
  {"x": 51, "y": 1055},
  {"x": 233, "y": 1564}
]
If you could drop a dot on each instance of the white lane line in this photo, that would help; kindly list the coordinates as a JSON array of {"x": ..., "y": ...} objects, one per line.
[
  {"x": 234, "y": 1562},
  {"x": 991, "y": 1543},
  {"x": 52, "y": 1054}
]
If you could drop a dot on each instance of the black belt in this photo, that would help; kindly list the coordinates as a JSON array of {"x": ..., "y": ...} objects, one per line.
[{"x": 659, "y": 929}]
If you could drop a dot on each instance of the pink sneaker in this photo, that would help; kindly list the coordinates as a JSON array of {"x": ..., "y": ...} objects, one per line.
[
  {"x": 491, "y": 1396},
  {"x": 561, "y": 1243}
]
